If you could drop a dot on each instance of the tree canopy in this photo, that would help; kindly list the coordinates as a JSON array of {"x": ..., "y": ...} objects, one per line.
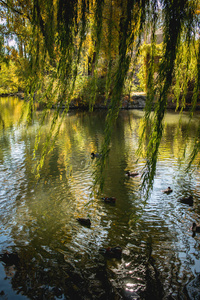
[{"x": 60, "y": 42}]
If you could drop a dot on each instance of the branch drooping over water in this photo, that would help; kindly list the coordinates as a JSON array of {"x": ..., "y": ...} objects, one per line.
[{"x": 66, "y": 36}]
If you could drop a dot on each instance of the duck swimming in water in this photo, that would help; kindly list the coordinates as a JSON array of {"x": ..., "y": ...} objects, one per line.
[
  {"x": 132, "y": 174},
  {"x": 93, "y": 155},
  {"x": 109, "y": 199},
  {"x": 195, "y": 229},
  {"x": 168, "y": 191},
  {"x": 83, "y": 221},
  {"x": 187, "y": 200},
  {"x": 112, "y": 252}
]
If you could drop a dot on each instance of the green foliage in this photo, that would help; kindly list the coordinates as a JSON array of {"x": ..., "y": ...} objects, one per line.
[
  {"x": 148, "y": 51},
  {"x": 64, "y": 41},
  {"x": 84, "y": 89},
  {"x": 8, "y": 80}
]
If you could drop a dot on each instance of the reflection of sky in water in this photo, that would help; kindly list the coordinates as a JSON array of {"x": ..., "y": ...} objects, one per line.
[
  {"x": 8, "y": 273},
  {"x": 12, "y": 172},
  {"x": 46, "y": 211}
]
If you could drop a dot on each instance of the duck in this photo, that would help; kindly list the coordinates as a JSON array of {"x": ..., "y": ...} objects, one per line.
[
  {"x": 111, "y": 252},
  {"x": 132, "y": 174},
  {"x": 10, "y": 258},
  {"x": 195, "y": 229},
  {"x": 109, "y": 200},
  {"x": 168, "y": 191},
  {"x": 187, "y": 200},
  {"x": 84, "y": 221},
  {"x": 93, "y": 155}
]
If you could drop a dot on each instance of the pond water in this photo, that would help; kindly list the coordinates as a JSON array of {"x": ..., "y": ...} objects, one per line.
[{"x": 38, "y": 217}]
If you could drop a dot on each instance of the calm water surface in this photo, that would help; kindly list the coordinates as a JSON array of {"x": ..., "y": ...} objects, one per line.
[{"x": 38, "y": 217}]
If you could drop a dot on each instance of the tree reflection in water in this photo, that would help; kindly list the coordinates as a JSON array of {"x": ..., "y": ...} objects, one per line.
[{"x": 57, "y": 256}]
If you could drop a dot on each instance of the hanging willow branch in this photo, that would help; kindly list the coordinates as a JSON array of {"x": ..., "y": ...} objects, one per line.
[
  {"x": 66, "y": 34},
  {"x": 175, "y": 17}
]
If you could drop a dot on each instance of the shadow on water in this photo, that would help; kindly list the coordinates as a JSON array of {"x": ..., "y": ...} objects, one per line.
[
  {"x": 45, "y": 275},
  {"x": 47, "y": 254}
]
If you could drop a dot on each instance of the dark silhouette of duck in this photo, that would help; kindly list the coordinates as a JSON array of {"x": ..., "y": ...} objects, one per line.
[
  {"x": 84, "y": 221},
  {"x": 168, "y": 191},
  {"x": 187, "y": 200},
  {"x": 132, "y": 174},
  {"x": 111, "y": 252},
  {"x": 93, "y": 155},
  {"x": 195, "y": 229},
  {"x": 111, "y": 200},
  {"x": 10, "y": 258}
]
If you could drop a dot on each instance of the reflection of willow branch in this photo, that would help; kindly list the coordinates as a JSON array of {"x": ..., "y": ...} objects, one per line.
[
  {"x": 195, "y": 97},
  {"x": 45, "y": 112},
  {"x": 196, "y": 148},
  {"x": 51, "y": 137},
  {"x": 195, "y": 151},
  {"x": 55, "y": 125},
  {"x": 2, "y": 121}
]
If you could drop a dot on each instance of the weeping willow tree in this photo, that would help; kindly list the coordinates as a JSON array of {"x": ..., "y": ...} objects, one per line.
[{"x": 62, "y": 34}]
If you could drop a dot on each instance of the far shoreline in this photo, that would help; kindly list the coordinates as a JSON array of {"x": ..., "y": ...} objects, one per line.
[{"x": 136, "y": 101}]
